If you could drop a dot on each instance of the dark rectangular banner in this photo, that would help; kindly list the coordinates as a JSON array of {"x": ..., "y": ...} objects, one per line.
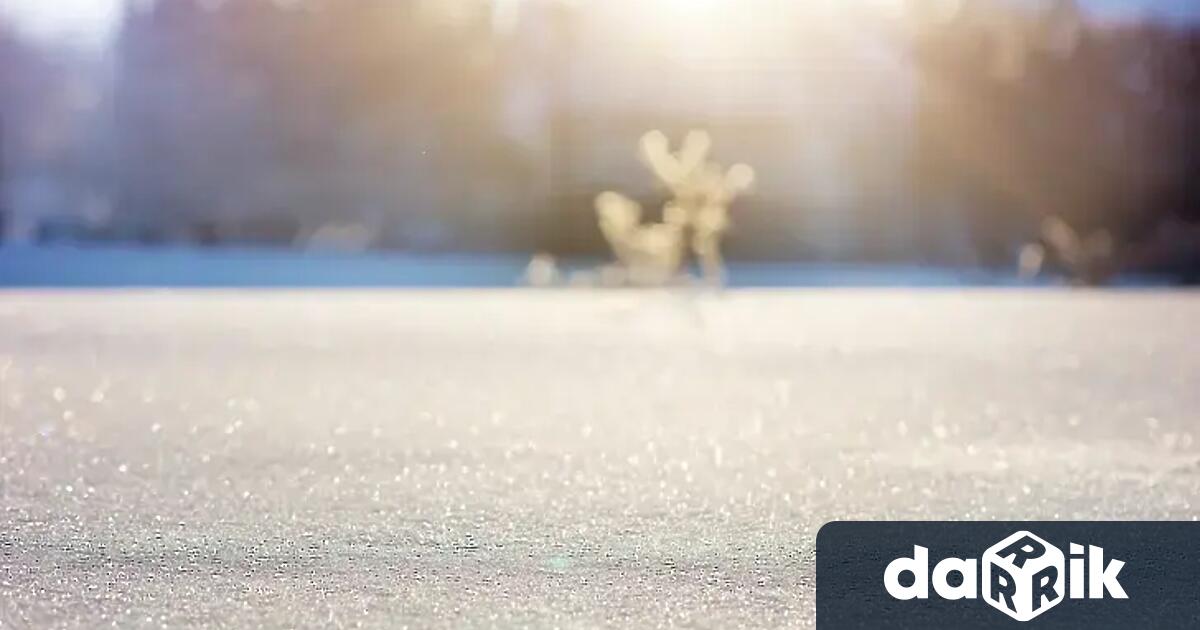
[{"x": 1028, "y": 575}]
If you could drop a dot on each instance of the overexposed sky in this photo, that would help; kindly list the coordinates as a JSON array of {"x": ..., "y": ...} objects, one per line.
[
  {"x": 93, "y": 20},
  {"x": 86, "y": 20}
]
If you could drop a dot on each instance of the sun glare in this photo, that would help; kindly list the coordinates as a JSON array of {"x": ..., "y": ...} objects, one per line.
[{"x": 689, "y": 7}]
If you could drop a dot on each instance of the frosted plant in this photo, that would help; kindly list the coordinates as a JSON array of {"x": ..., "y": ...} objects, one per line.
[
  {"x": 542, "y": 271},
  {"x": 695, "y": 218},
  {"x": 343, "y": 237},
  {"x": 1088, "y": 260},
  {"x": 651, "y": 254}
]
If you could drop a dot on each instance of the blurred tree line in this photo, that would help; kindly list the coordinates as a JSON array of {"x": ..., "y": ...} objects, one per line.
[
  {"x": 248, "y": 120},
  {"x": 1025, "y": 117},
  {"x": 53, "y": 136},
  {"x": 390, "y": 124}
]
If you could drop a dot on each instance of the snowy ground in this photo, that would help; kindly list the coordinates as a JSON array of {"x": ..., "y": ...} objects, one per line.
[{"x": 564, "y": 459}]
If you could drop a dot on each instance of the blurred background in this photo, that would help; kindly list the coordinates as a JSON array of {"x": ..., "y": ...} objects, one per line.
[{"x": 905, "y": 134}]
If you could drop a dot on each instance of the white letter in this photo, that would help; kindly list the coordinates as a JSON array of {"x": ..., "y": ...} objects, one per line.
[
  {"x": 1101, "y": 577},
  {"x": 918, "y": 565},
  {"x": 1077, "y": 576},
  {"x": 966, "y": 568}
]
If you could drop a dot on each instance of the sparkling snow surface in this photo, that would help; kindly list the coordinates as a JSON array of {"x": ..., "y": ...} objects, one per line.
[{"x": 563, "y": 459}]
